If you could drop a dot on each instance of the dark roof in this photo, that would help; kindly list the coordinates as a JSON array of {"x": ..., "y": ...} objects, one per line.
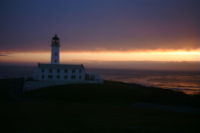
[
  {"x": 55, "y": 41},
  {"x": 55, "y": 37},
  {"x": 62, "y": 66}
]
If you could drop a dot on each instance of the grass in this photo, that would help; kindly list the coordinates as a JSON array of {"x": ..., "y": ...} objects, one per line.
[
  {"x": 95, "y": 108},
  {"x": 115, "y": 92}
]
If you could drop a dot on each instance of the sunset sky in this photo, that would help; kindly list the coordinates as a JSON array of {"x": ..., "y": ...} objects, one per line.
[{"x": 100, "y": 30}]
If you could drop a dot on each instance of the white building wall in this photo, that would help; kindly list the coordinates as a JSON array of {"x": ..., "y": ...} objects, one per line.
[
  {"x": 40, "y": 82},
  {"x": 46, "y": 74}
]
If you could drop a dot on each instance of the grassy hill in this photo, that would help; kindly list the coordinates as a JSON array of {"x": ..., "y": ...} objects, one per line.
[
  {"x": 112, "y": 107},
  {"x": 116, "y": 92}
]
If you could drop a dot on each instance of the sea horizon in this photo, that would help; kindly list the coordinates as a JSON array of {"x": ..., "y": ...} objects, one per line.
[{"x": 178, "y": 80}]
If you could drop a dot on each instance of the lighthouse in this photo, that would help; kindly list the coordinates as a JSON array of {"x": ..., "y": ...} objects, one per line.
[
  {"x": 54, "y": 73},
  {"x": 55, "y": 50}
]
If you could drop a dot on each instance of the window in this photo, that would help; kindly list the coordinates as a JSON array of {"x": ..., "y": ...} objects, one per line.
[
  {"x": 73, "y": 70},
  {"x": 42, "y": 76},
  {"x": 55, "y": 61},
  {"x": 80, "y": 77},
  {"x": 87, "y": 77},
  {"x": 58, "y": 70},
  {"x": 73, "y": 77},
  {"x": 58, "y": 76},
  {"x": 65, "y": 77},
  {"x": 42, "y": 70},
  {"x": 56, "y": 54},
  {"x": 65, "y": 70},
  {"x": 80, "y": 71},
  {"x": 50, "y": 70},
  {"x": 50, "y": 76}
]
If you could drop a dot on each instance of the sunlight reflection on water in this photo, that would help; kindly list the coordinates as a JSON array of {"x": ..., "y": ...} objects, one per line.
[{"x": 187, "y": 82}]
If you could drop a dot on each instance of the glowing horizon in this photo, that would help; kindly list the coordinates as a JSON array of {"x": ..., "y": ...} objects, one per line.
[{"x": 75, "y": 56}]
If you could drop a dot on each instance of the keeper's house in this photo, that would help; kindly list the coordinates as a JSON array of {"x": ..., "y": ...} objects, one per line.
[{"x": 66, "y": 73}]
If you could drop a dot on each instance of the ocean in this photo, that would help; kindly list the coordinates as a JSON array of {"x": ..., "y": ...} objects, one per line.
[{"x": 184, "y": 81}]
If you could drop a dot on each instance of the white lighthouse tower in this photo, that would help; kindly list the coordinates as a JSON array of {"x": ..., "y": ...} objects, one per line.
[{"x": 55, "y": 50}]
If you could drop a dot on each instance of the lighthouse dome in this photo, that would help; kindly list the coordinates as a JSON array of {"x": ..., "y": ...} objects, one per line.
[
  {"x": 55, "y": 37},
  {"x": 55, "y": 41}
]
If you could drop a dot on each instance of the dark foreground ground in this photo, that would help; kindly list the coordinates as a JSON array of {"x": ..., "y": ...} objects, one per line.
[{"x": 112, "y": 107}]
